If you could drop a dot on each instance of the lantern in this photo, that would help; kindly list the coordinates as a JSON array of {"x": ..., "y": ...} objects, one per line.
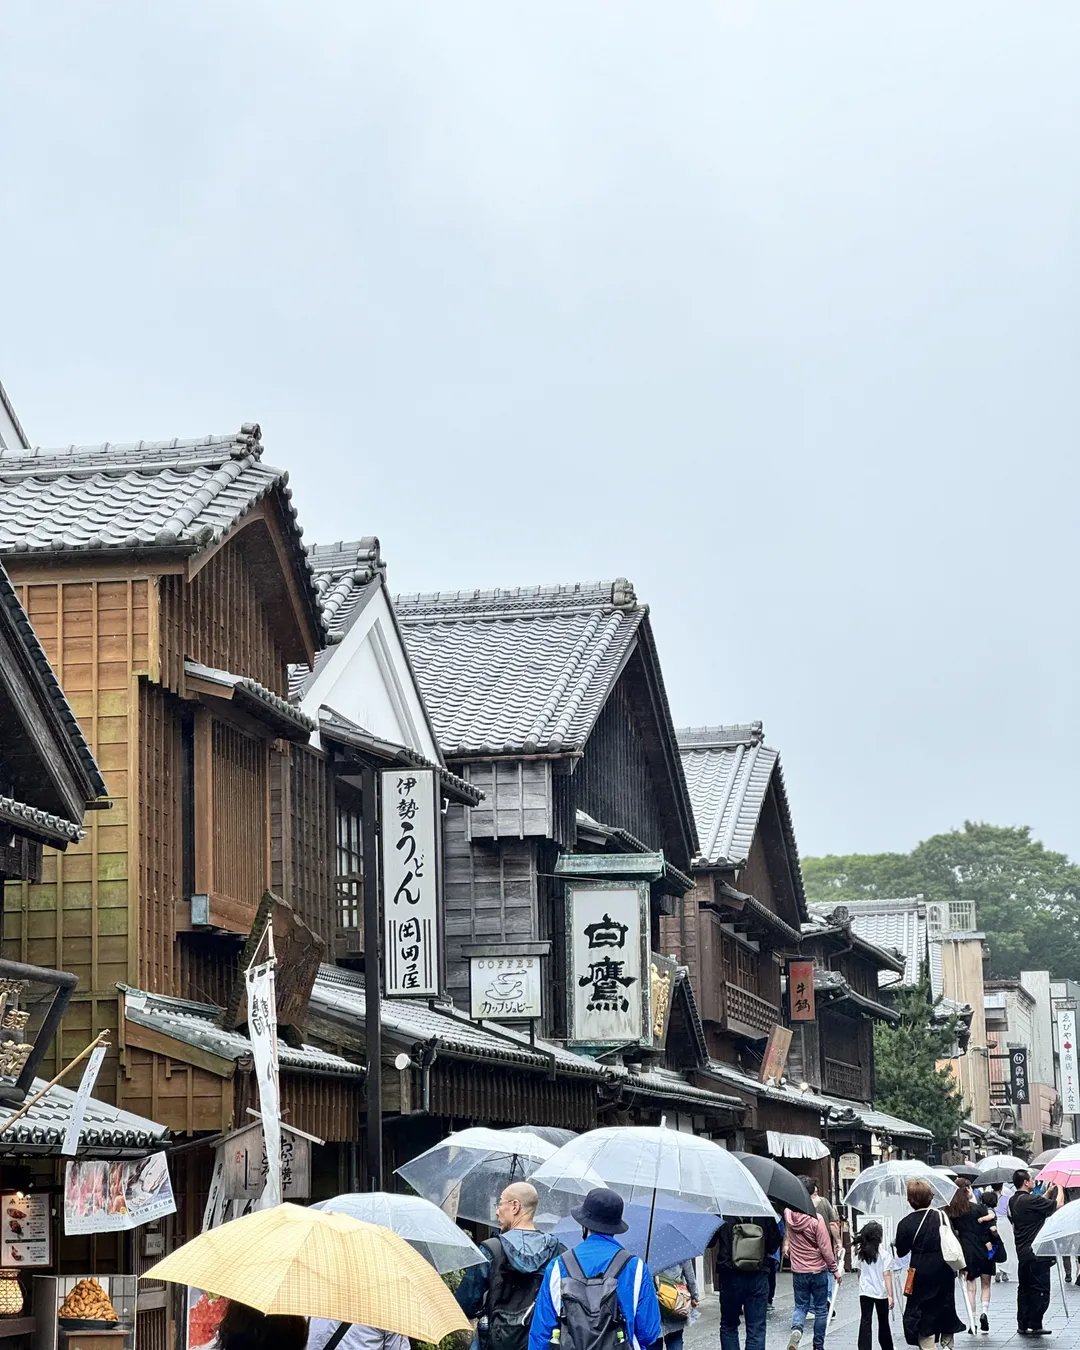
[{"x": 11, "y": 1295}]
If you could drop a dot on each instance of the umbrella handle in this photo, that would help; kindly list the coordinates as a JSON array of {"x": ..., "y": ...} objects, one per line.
[{"x": 652, "y": 1215}]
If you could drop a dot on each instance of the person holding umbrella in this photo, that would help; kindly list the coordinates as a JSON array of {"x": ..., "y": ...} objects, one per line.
[
  {"x": 813, "y": 1259},
  {"x": 743, "y": 1250},
  {"x": 1027, "y": 1213},
  {"x": 974, "y": 1224}
]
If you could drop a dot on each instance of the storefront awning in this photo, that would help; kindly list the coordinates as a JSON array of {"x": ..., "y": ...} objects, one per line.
[{"x": 795, "y": 1145}]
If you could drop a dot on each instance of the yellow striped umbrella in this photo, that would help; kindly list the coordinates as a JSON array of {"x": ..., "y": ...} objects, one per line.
[{"x": 312, "y": 1264}]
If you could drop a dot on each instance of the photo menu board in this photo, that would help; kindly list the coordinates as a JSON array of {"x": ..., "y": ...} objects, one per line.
[{"x": 25, "y": 1232}]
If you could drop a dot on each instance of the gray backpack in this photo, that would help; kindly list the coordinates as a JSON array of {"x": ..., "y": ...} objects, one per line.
[
  {"x": 591, "y": 1318},
  {"x": 747, "y": 1246}
]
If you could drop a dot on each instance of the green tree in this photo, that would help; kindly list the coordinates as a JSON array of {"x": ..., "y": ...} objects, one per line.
[
  {"x": 1027, "y": 898},
  {"x": 909, "y": 1083}
]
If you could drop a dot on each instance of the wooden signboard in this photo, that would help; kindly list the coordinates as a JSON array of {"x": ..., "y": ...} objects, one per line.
[
  {"x": 244, "y": 1157},
  {"x": 776, "y": 1053},
  {"x": 800, "y": 984},
  {"x": 299, "y": 952}
]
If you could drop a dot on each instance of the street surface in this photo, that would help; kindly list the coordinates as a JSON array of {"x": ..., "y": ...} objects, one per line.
[{"x": 704, "y": 1334}]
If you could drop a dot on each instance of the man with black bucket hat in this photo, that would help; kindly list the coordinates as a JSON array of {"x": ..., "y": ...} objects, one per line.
[{"x": 597, "y": 1296}]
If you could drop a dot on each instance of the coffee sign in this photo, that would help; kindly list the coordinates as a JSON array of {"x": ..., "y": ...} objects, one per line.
[{"x": 504, "y": 988}]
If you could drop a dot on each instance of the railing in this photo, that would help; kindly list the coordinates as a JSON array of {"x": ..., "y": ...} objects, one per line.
[
  {"x": 739, "y": 1005},
  {"x": 846, "y": 1080}
]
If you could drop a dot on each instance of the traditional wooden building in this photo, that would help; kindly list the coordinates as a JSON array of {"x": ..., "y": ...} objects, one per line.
[{"x": 171, "y": 592}]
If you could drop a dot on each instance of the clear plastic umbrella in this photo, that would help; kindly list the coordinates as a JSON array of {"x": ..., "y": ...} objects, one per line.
[
  {"x": 552, "y": 1134},
  {"x": 423, "y": 1226},
  {"x": 1060, "y": 1234},
  {"x": 642, "y": 1162},
  {"x": 466, "y": 1172},
  {"x": 679, "y": 1233},
  {"x": 882, "y": 1188},
  {"x": 998, "y": 1168}
]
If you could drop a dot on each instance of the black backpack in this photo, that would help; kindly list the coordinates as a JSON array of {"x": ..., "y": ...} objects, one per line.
[
  {"x": 511, "y": 1298},
  {"x": 591, "y": 1318}
]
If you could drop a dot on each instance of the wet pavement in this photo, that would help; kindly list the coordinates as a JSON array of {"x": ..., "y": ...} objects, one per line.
[{"x": 704, "y": 1334}]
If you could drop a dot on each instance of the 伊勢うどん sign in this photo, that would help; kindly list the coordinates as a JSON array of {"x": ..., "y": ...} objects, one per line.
[{"x": 409, "y": 821}]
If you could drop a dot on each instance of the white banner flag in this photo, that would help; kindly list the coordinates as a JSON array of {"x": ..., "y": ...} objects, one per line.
[
  {"x": 262, "y": 1029},
  {"x": 70, "y": 1146},
  {"x": 1070, "y": 1079}
]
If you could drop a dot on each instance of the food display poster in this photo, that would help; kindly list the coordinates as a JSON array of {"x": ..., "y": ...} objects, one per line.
[
  {"x": 108, "y": 1197},
  {"x": 204, "y": 1314},
  {"x": 25, "y": 1235}
]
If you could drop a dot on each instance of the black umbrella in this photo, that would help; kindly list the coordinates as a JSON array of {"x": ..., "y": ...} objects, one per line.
[
  {"x": 781, "y": 1186},
  {"x": 1046, "y": 1156},
  {"x": 551, "y": 1134},
  {"x": 964, "y": 1170}
]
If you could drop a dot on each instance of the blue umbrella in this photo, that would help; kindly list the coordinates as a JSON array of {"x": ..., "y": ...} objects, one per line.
[{"x": 678, "y": 1232}]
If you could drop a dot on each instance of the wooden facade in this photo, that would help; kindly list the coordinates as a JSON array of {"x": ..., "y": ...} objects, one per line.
[{"x": 190, "y": 777}]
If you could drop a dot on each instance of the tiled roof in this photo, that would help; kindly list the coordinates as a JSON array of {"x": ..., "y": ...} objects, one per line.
[
  {"x": 16, "y": 615},
  {"x": 28, "y": 819},
  {"x": 196, "y": 1024},
  {"x": 896, "y": 924},
  {"x": 270, "y": 705},
  {"x": 519, "y": 671},
  {"x": 346, "y": 576},
  {"x": 729, "y": 770},
  {"x": 178, "y": 495},
  {"x": 341, "y": 992},
  {"x": 106, "y": 1130},
  {"x": 891, "y": 959}
]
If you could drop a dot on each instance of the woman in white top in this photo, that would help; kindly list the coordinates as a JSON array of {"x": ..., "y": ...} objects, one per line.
[{"x": 875, "y": 1286}]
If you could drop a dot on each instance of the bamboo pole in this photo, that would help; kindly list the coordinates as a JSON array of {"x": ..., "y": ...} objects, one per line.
[{"x": 100, "y": 1039}]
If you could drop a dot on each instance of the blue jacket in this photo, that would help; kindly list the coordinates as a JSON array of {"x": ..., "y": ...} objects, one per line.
[{"x": 595, "y": 1254}]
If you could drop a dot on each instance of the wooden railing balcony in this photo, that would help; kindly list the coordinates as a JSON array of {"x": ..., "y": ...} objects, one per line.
[
  {"x": 746, "y": 1013},
  {"x": 846, "y": 1080}
]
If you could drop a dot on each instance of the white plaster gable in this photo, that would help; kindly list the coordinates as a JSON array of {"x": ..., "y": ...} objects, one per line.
[{"x": 366, "y": 677}]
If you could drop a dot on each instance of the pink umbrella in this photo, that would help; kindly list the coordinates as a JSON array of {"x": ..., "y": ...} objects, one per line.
[{"x": 1064, "y": 1170}]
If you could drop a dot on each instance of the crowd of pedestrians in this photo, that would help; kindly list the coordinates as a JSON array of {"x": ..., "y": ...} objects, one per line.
[{"x": 533, "y": 1294}]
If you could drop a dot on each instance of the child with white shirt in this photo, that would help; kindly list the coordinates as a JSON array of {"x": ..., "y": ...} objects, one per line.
[{"x": 875, "y": 1286}]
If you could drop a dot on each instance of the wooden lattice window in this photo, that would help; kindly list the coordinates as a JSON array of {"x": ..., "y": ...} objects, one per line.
[
  {"x": 232, "y": 823},
  {"x": 349, "y": 865}
]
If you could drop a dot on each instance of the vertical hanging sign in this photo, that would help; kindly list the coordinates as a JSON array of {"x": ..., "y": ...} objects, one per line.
[
  {"x": 800, "y": 983},
  {"x": 262, "y": 1031},
  {"x": 1070, "y": 1079},
  {"x": 608, "y": 977},
  {"x": 409, "y": 819}
]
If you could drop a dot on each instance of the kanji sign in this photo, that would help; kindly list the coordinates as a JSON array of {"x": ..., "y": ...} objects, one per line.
[
  {"x": 1070, "y": 1079},
  {"x": 608, "y": 969},
  {"x": 1018, "y": 1067},
  {"x": 800, "y": 983},
  {"x": 409, "y": 821},
  {"x": 774, "y": 1061}
]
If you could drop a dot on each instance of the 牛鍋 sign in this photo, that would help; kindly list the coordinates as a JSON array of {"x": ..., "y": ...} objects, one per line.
[
  {"x": 409, "y": 820},
  {"x": 607, "y": 937},
  {"x": 504, "y": 988}
]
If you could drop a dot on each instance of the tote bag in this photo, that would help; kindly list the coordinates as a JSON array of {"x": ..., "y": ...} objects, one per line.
[{"x": 952, "y": 1252}]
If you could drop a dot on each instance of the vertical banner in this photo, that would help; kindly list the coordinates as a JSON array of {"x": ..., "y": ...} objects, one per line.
[
  {"x": 262, "y": 1030},
  {"x": 608, "y": 969},
  {"x": 1070, "y": 1079},
  {"x": 1018, "y": 1066},
  {"x": 409, "y": 819},
  {"x": 800, "y": 984},
  {"x": 70, "y": 1146}
]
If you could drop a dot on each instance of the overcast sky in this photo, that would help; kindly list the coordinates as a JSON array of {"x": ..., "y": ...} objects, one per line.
[{"x": 770, "y": 307}]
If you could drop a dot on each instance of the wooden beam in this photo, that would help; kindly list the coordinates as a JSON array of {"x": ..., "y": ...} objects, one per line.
[{"x": 158, "y": 1043}]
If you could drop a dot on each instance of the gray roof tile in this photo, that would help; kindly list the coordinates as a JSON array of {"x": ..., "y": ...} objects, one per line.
[
  {"x": 196, "y": 1024},
  {"x": 341, "y": 992},
  {"x": 106, "y": 1130},
  {"x": 346, "y": 576},
  {"x": 729, "y": 770},
  {"x": 519, "y": 671},
  {"x": 279, "y": 709},
  {"x": 178, "y": 494}
]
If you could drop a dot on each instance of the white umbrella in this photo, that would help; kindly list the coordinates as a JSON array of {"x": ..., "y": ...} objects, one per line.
[
  {"x": 423, "y": 1225},
  {"x": 466, "y": 1172},
  {"x": 1060, "y": 1234},
  {"x": 882, "y": 1188},
  {"x": 641, "y": 1162}
]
